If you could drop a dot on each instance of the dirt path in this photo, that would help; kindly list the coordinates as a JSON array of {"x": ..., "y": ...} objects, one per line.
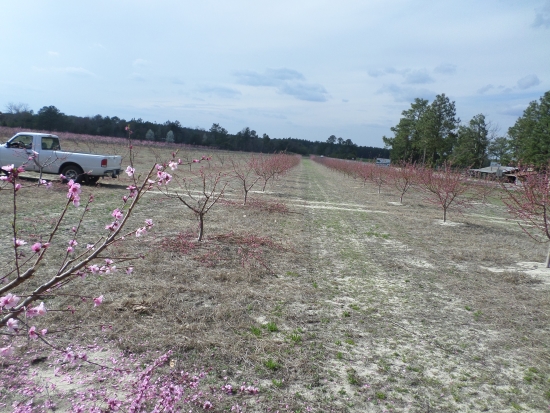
[{"x": 406, "y": 327}]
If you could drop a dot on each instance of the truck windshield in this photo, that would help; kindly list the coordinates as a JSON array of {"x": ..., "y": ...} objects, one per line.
[{"x": 50, "y": 143}]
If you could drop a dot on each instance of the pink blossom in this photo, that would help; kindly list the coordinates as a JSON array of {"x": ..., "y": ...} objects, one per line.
[
  {"x": 19, "y": 242},
  {"x": 94, "y": 269},
  {"x": 163, "y": 178},
  {"x": 89, "y": 246},
  {"x": 32, "y": 333},
  {"x": 36, "y": 247},
  {"x": 44, "y": 331},
  {"x": 12, "y": 325},
  {"x": 196, "y": 161},
  {"x": 74, "y": 188},
  {"x": 70, "y": 249},
  {"x": 129, "y": 270},
  {"x": 36, "y": 311},
  {"x": 109, "y": 269},
  {"x": 17, "y": 187},
  {"x": 149, "y": 222},
  {"x": 173, "y": 165},
  {"x": 130, "y": 171},
  {"x": 69, "y": 355},
  {"x": 133, "y": 191},
  {"x": 45, "y": 245},
  {"x": 73, "y": 243},
  {"x": 98, "y": 301},
  {"x": 112, "y": 226},
  {"x": 117, "y": 214},
  {"x": 9, "y": 301},
  {"x": 207, "y": 405},
  {"x": 141, "y": 231},
  {"x": 8, "y": 168},
  {"x": 113, "y": 405},
  {"x": 6, "y": 351},
  {"x": 108, "y": 261}
]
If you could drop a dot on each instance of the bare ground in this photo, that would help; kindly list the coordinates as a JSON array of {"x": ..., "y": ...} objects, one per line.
[{"x": 349, "y": 302}]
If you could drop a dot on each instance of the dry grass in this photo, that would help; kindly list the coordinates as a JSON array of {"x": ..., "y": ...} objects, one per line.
[{"x": 345, "y": 303}]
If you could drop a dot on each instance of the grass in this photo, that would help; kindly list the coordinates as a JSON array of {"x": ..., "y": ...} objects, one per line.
[
  {"x": 272, "y": 364},
  {"x": 271, "y": 327},
  {"x": 416, "y": 311}
]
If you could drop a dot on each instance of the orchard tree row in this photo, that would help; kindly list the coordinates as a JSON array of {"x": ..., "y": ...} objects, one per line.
[
  {"x": 451, "y": 188},
  {"x": 51, "y": 119},
  {"x": 431, "y": 134}
]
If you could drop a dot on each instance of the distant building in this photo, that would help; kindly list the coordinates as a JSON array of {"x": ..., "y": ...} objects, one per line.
[
  {"x": 508, "y": 173},
  {"x": 383, "y": 162}
]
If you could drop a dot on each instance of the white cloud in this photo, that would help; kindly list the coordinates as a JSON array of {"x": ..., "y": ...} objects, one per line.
[
  {"x": 406, "y": 94},
  {"x": 69, "y": 70},
  {"x": 528, "y": 81},
  {"x": 220, "y": 91},
  {"x": 53, "y": 54},
  {"x": 138, "y": 77},
  {"x": 285, "y": 81},
  {"x": 271, "y": 77},
  {"x": 418, "y": 77},
  {"x": 446, "y": 69},
  {"x": 410, "y": 76},
  {"x": 304, "y": 91},
  {"x": 542, "y": 16},
  {"x": 485, "y": 89},
  {"x": 177, "y": 81},
  {"x": 140, "y": 63}
]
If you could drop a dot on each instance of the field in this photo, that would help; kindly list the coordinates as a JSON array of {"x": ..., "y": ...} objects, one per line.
[{"x": 321, "y": 292}]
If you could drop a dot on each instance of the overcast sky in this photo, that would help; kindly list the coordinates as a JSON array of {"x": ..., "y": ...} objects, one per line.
[{"x": 306, "y": 69}]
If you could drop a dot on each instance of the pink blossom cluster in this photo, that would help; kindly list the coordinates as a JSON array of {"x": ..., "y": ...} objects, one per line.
[
  {"x": 249, "y": 389},
  {"x": 133, "y": 193},
  {"x": 12, "y": 172},
  {"x": 117, "y": 215},
  {"x": 37, "y": 246},
  {"x": 72, "y": 244},
  {"x": 8, "y": 301},
  {"x": 108, "y": 268},
  {"x": 74, "y": 192},
  {"x": 163, "y": 178},
  {"x": 143, "y": 230},
  {"x": 36, "y": 311}
]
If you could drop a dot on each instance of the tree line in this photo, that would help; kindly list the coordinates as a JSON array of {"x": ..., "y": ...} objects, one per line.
[
  {"x": 50, "y": 118},
  {"x": 432, "y": 134}
]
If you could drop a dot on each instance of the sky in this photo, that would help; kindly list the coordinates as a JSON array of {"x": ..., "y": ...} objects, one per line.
[{"x": 305, "y": 69}]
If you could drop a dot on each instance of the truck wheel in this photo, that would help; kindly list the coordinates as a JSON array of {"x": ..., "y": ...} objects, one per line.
[
  {"x": 91, "y": 180},
  {"x": 73, "y": 172}
]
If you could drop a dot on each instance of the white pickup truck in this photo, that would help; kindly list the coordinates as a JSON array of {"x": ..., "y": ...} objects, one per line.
[{"x": 46, "y": 156}]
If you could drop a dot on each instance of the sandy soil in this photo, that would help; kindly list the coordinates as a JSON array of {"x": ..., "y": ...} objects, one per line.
[{"x": 377, "y": 306}]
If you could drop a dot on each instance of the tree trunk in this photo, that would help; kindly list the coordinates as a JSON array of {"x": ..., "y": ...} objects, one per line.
[
  {"x": 201, "y": 228},
  {"x": 548, "y": 259}
]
